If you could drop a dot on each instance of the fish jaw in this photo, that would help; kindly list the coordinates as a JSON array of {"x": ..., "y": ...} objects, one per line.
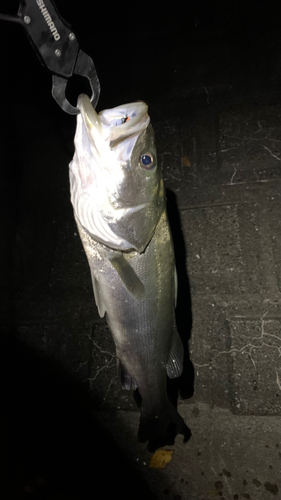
[{"x": 115, "y": 199}]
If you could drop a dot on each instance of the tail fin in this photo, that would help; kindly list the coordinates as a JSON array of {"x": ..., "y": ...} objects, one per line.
[{"x": 160, "y": 430}]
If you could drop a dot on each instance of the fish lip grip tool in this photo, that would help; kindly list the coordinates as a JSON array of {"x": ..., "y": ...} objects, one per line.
[{"x": 57, "y": 48}]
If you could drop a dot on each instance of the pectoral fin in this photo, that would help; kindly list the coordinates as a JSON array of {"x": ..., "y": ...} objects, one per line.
[
  {"x": 175, "y": 363},
  {"x": 98, "y": 296},
  {"x": 129, "y": 278}
]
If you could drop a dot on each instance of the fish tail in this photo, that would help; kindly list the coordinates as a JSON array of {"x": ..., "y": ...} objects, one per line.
[{"x": 161, "y": 429}]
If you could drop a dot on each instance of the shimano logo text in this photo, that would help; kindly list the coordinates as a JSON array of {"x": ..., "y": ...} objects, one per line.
[{"x": 48, "y": 19}]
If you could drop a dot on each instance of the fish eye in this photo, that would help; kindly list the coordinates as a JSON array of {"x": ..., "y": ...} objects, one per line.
[{"x": 146, "y": 161}]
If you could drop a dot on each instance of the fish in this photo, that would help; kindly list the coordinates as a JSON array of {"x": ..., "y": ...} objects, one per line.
[{"x": 119, "y": 204}]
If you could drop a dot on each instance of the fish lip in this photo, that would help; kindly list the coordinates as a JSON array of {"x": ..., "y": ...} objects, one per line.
[
  {"x": 89, "y": 114},
  {"x": 104, "y": 121}
]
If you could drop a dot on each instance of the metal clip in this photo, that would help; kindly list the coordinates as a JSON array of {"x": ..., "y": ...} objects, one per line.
[{"x": 57, "y": 47}]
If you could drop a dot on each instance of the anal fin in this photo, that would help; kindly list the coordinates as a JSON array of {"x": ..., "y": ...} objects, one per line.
[{"x": 127, "y": 381}]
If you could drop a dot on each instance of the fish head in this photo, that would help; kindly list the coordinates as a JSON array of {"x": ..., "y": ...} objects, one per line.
[{"x": 116, "y": 185}]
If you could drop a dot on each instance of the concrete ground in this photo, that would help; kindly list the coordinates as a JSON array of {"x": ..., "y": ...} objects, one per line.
[
  {"x": 212, "y": 81},
  {"x": 229, "y": 456}
]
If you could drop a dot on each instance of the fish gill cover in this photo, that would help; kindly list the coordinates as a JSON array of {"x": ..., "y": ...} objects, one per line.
[{"x": 116, "y": 187}]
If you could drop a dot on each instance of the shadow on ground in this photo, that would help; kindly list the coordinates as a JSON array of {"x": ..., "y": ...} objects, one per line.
[
  {"x": 52, "y": 447},
  {"x": 185, "y": 384}
]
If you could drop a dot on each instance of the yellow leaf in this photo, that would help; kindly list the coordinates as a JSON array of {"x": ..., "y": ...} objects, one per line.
[
  {"x": 185, "y": 162},
  {"x": 213, "y": 493},
  {"x": 160, "y": 459}
]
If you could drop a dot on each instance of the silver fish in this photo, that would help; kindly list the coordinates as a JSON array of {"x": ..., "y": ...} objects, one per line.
[{"x": 118, "y": 197}]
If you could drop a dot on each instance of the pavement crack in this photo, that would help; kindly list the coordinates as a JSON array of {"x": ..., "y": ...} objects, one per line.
[
  {"x": 278, "y": 381},
  {"x": 107, "y": 391},
  {"x": 107, "y": 363},
  {"x": 270, "y": 152},
  {"x": 264, "y": 340},
  {"x": 99, "y": 370}
]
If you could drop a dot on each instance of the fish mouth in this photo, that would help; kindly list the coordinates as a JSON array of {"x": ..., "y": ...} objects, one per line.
[{"x": 117, "y": 123}]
